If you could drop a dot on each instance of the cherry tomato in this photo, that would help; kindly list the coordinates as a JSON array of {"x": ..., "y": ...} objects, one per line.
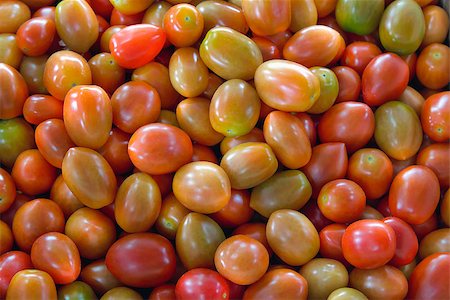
[
  {"x": 368, "y": 244},
  {"x": 136, "y": 45},
  {"x": 163, "y": 292},
  {"x": 7, "y": 190},
  {"x": 11, "y": 53},
  {"x": 76, "y": 289},
  {"x": 65, "y": 199},
  {"x": 431, "y": 66},
  {"x": 358, "y": 55},
  {"x": 39, "y": 108},
  {"x": 121, "y": 293},
  {"x": 329, "y": 90},
  {"x": 236, "y": 212},
  {"x": 437, "y": 157},
  {"x": 413, "y": 98},
  {"x": 171, "y": 214},
  {"x": 7, "y": 237},
  {"x": 13, "y": 14},
  {"x": 436, "y": 25},
  {"x": 32, "y": 70},
  {"x": 331, "y": 242},
  {"x": 31, "y": 284},
  {"x": 346, "y": 293},
  {"x": 303, "y": 14},
  {"x": 106, "y": 73},
  {"x": 11, "y": 263},
  {"x": 183, "y": 24},
  {"x": 220, "y": 13},
  {"x": 436, "y": 241},
  {"x": 97, "y": 276},
  {"x": 115, "y": 151},
  {"x": 405, "y": 241},
  {"x": 13, "y": 97},
  {"x": 435, "y": 121},
  {"x": 359, "y": 17},
  {"x": 202, "y": 284},
  {"x": 119, "y": 18},
  {"x": 267, "y": 17}
]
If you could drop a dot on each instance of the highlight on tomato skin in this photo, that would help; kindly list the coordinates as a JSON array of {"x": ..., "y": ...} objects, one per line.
[{"x": 224, "y": 149}]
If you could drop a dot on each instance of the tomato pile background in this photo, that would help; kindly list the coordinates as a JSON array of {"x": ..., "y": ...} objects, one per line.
[{"x": 256, "y": 149}]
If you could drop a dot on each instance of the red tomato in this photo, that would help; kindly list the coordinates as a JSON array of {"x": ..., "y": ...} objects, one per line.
[
  {"x": 368, "y": 244},
  {"x": 435, "y": 117},
  {"x": 8, "y": 190},
  {"x": 38, "y": 108},
  {"x": 31, "y": 284},
  {"x": 136, "y": 45},
  {"x": 119, "y": 18},
  {"x": 35, "y": 36},
  {"x": 437, "y": 158},
  {"x": 405, "y": 241},
  {"x": 384, "y": 79},
  {"x": 202, "y": 284},
  {"x": 349, "y": 84},
  {"x": 183, "y": 24},
  {"x": 11, "y": 263},
  {"x": 115, "y": 151},
  {"x": 331, "y": 241},
  {"x": 163, "y": 292},
  {"x": 128, "y": 260},
  {"x": 236, "y": 212},
  {"x": 358, "y": 55}
]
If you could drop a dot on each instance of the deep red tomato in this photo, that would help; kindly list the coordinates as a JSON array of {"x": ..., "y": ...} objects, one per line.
[
  {"x": 368, "y": 244},
  {"x": 426, "y": 227},
  {"x": 10, "y": 263},
  {"x": 435, "y": 117},
  {"x": 437, "y": 158},
  {"x": 163, "y": 292},
  {"x": 136, "y": 45},
  {"x": 202, "y": 284},
  {"x": 384, "y": 78},
  {"x": 38, "y": 108},
  {"x": 358, "y": 55},
  {"x": 35, "y": 36},
  {"x": 349, "y": 83},
  {"x": 312, "y": 211},
  {"x": 128, "y": 259},
  {"x": 236, "y": 212},
  {"x": 414, "y": 194},
  {"x": 406, "y": 242},
  {"x": 115, "y": 151},
  {"x": 430, "y": 278},
  {"x": 331, "y": 241}
]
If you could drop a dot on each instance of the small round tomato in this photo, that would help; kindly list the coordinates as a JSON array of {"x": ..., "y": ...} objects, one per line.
[
  {"x": 358, "y": 55},
  {"x": 341, "y": 201},
  {"x": 384, "y": 79},
  {"x": 183, "y": 24},
  {"x": 127, "y": 259},
  {"x": 91, "y": 231},
  {"x": 431, "y": 66},
  {"x": 316, "y": 45},
  {"x": 236, "y": 212},
  {"x": 276, "y": 284},
  {"x": 436, "y": 25},
  {"x": 241, "y": 259},
  {"x": 106, "y": 73},
  {"x": 414, "y": 194},
  {"x": 159, "y": 148},
  {"x": 32, "y": 174},
  {"x": 11, "y": 263},
  {"x": 35, "y": 218},
  {"x": 171, "y": 214},
  {"x": 13, "y": 97},
  {"x": 368, "y": 244},
  {"x": 405, "y": 241},
  {"x": 202, "y": 283},
  {"x": 435, "y": 121},
  {"x": 267, "y": 17},
  {"x": 64, "y": 70},
  {"x": 31, "y": 284},
  {"x": 115, "y": 151},
  {"x": 136, "y": 45}
]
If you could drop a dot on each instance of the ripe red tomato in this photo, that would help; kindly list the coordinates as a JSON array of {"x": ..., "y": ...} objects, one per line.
[
  {"x": 331, "y": 241},
  {"x": 39, "y": 108},
  {"x": 434, "y": 117},
  {"x": 358, "y": 55},
  {"x": 368, "y": 244},
  {"x": 202, "y": 284},
  {"x": 405, "y": 241},
  {"x": 7, "y": 190},
  {"x": 35, "y": 36},
  {"x": 11, "y": 263}
]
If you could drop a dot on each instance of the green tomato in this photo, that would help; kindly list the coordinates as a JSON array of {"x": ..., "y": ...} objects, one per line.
[
  {"x": 76, "y": 290},
  {"x": 16, "y": 136},
  {"x": 359, "y": 16},
  {"x": 329, "y": 90}
]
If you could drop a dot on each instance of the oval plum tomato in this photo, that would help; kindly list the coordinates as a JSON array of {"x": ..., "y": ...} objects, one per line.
[
  {"x": 276, "y": 284},
  {"x": 32, "y": 174},
  {"x": 64, "y": 70},
  {"x": 341, "y": 201},
  {"x": 436, "y": 25},
  {"x": 268, "y": 49},
  {"x": 435, "y": 242},
  {"x": 53, "y": 141},
  {"x": 249, "y": 164},
  {"x": 136, "y": 45},
  {"x": 267, "y": 17},
  {"x": 338, "y": 124},
  {"x": 429, "y": 279},
  {"x": 128, "y": 260},
  {"x": 115, "y": 151},
  {"x": 414, "y": 194},
  {"x": 56, "y": 254},
  {"x": 76, "y": 24},
  {"x": 35, "y": 218},
  {"x": 35, "y": 36},
  {"x": 397, "y": 130},
  {"x": 77, "y": 290},
  {"x": 7, "y": 237},
  {"x": 159, "y": 148},
  {"x": 329, "y": 90},
  {"x": 218, "y": 13},
  {"x": 91, "y": 231},
  {"x": 437, "y": 158},
  {"x": 65, "y": 199},
  {"x": 394, "y": 35},
  {"x": 329, "y": 161},
  {"x": 7, "y": 190},
  {"x": 131, "y": 7},
  {"x": 316, "y": 45},
  {"x": 11, "y": 55},
  {"x": 39, "y": 108},
  {"x": 238, "y": 58},
  {"x": 197, "y": 239},
  {"x": 368, "y": 244},
  {"x": 32, "y": 70},
  {"x": 31, "y": 284},
  {"x": 135, "y": 104},
  {"x": 171, "y": 214},
  {"x": 80, "y": 168},
  {"x": 358, "y": 55},
  {"x": 384, "y": 79},
  {"x": 202, "y": 283},
  {"x": 137, "y": 203},
  {"x": 183, "y": 24},
  {"x": 292, "y": 237},
  {"x": 13, "y": 13},
  {"x": 303, "y": 14},
  {"x": 88, "y": 116},
  {"x": 413, "y": 98},
  {"x": 349, "y": 83},
  {"x": 372, "y": 170},
  {"x": 255, "y": 135},
  {"x": 256, "y": 231},
  {"x": 13, "y": 97},
  {"x": 405, "y": 241},
  {"x": 359, "y": 17},
  {"x": 434, "y": 116},
  {"x": 155, "y": 14},
  {"x": 241, "y": 259},
  {"x": 286, "y": 85},
  {"x": 11, "y": 263}
]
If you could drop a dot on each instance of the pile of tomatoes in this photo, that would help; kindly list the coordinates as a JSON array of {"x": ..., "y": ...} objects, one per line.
[{"x": 255, "y": 149}]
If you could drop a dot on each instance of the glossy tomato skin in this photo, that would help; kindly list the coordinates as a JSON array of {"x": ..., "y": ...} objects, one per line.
[
  {"x": 434, "y": 117},
  {"x": 258, "y": 14},
  {"x": 183, "y": 24},
  {"x": 406, "y": 242},
  {"x": 222, "y": 14},
  {"x": 171, "y": 214},
  {"x": 14, "y": 13},
  {"x": 359, "y": 17},
  {"x": 279, "y": 283},
  {"x": 13, "y": 98},
  {"x": 76, "y": 24},
  {"x": 384, "y": 78},
  {"x": 436, "y": 25},
  {"x": 11, "y": 55},
  {"x": 76, "y": 289},
  {"x": 97, "y": 275},
  {"x": 163, "y": 292},
  {"x": 349, "y": 84},
  {"x": 7, "y": 190},
  {"x": 303, "y": 14},
  {"x": 256, "y": 231},
  {"x": 159, "y": 148},
  {"x": 35, "y": 36},
  {"x": 431, "y": 65},
  {"x": 329, "y": 89},
  {"x": 339, "y": 122},
  {"x": 358, "y": 55},
  {"x": 10, "y": 263},
  {"x": 330, "y": 241},
  {"x": 31, "y": 284},
  {"x": 414, "y": 194},
  {"x": 79, "y": 181},
  {"x": 56, "y": 254},
  {"x": 65, "y": 199},
  {"x": 136, "y": 45},
  {"x": 106, "y": 73},
  {"x": 115, "y": 151},
  {"x": 7, "y": 237},
  {"x": 128, "y": 260},
  {"x": 39, "y": 108},
  {"x": 430, "y": 277},
  {"x": 368, "y": 244},
  {"x": 437, "y": 158},
  {"x": 32, "y": 70},
  {"x": 236, "y": 212},
  {"x": 435, "y": 242},
  {"x": 202, "y": 284}
]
